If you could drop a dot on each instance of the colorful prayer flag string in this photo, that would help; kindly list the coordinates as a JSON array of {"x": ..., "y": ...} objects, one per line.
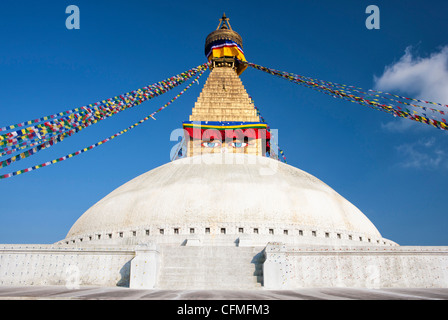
[
  {"x": 271, "y": 153},
  {"x": 43, "y": 139},
  {"x": 396, "y": 105},
  {"x": 67, "y": 120},
  {"x": 201, "y": 70}
]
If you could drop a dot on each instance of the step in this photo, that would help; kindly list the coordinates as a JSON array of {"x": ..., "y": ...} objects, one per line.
[
  {"x": 208, "y": 286},
  {"x": 205, "y": 265},
  {"x": 225, "y": 118},
  {"x": 211, "y": 267},
  {"x": 200, "y": 282},
  {"x": 210, "y": 275},
  {"x": 203, "y": 282},
  {"x": 176, "y": 272},
  {"x": 211, "y": 280}
]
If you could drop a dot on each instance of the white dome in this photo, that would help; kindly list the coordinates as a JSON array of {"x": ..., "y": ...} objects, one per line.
[{"x": 244, "y": 194}]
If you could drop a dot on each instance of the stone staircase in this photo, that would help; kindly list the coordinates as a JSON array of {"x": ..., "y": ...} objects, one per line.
[{"x": 211, "y": 267}]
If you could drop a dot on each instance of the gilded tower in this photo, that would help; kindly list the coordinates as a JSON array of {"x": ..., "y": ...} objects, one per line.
[{"x": 224, "y": 118}]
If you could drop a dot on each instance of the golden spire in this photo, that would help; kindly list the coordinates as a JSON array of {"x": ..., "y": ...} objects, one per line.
[
  {"x": 224, "y": 47},
  {"x": 224, "y": 104},
  {"x": 224, "y": 23}
]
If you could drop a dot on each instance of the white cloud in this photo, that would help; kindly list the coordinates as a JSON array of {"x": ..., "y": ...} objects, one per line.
[
  {"x": 424, "y": 78},
  {"x": 416, "y": 77},
  {"x": 403, "y": 125},
  {"x": 422, "y": 154}
]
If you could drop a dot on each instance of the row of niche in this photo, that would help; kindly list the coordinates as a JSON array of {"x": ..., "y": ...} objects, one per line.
[{"x": 223, "y": 230}]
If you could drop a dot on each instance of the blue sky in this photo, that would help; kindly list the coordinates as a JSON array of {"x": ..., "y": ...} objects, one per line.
[{"x": 392, "y": 170}]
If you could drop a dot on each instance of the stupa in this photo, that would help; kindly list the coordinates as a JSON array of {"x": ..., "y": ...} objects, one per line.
[
  {"x": 226, "y": 189},
  {"x": 228, "y": 215}
]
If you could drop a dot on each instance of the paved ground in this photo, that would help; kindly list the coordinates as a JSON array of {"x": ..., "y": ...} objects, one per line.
[{"x": 98, "y": 293}]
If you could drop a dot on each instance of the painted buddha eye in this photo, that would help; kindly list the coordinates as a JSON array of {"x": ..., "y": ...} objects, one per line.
[
  {"x": 239, "y": 144},
  {"x": 210, "y": 144}
]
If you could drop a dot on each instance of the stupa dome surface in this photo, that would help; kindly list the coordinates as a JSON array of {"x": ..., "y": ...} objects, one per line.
[{"x": 250, "y": 192}]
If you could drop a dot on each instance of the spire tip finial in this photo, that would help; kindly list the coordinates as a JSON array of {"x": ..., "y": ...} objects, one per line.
[{"x": 224, "y": 22}]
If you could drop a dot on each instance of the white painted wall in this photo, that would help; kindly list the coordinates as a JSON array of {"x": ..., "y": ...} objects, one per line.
[
  {"x": 288, "y": 267},
  {"x": 70, "y": 266}
]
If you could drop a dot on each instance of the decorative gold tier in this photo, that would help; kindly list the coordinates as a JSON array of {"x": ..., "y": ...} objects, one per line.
[{"x": 224, "y": 98}]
